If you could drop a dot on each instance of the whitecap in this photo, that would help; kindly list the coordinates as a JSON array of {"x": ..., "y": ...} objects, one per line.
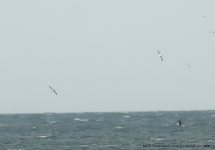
[
  {"x": 81, "y": 119},
  {"x": 43, "y": 136},
  {"x": 118, "y": 127},
  {"x": 144, "y": 132},
  {"x": 84, "y": 145},
  {"x": 159, "y": 139},
  {"x": 156, "y": 139},
  {"x": 53, "y": 122},
  {"x": 126, "y": 116}
]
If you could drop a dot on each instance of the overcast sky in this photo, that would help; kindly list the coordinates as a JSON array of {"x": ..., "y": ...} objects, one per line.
[{"x": 102, "y": 55}]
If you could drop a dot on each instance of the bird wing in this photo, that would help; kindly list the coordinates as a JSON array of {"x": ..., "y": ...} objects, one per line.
[
  {"x": 161, "y": 58},
  {"x": 210, "y": 31},
  {"x": 158, "y": 52},
  {"x": 50, "y": 87},
  {"x": 55, "y": 92}
]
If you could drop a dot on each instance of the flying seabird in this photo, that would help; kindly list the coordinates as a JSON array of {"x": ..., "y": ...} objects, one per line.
[
  {"x": 53, "y": 90},
  {"x": 188, "y": 65},
  {"x": 205, "y": 15},
  {"x": 160, "y": 55},
  {"x": 212, "y": 32}
]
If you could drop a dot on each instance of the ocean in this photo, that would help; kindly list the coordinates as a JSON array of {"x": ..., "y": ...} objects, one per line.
[{"x": 108, "y": 131}]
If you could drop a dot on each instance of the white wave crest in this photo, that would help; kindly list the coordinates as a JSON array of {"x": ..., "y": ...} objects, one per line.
[
  {"x": 126, "y": 116},
  {"x": 156, "y": 139},
  {"x": 81, "y": 119},
  {"x": 118, "y": 127}
]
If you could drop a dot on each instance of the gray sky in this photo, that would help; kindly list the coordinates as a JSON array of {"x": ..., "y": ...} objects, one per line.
[{"x": 102, "y": 55}]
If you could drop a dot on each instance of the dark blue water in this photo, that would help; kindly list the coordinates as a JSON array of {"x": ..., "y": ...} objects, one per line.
[{"x": 126, "y": 130}]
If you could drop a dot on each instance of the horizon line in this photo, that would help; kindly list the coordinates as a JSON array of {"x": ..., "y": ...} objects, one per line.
[{"x": 104, "y": 112}]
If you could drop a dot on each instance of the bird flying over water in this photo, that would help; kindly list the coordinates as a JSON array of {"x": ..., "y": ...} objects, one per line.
[
  {"x": 212, "y": 32},
  {"x": 160, "y": 55},
  {"x": 53, "y": 90},
  {"x": 188, "y": 65},
  {"x": 205, "y": 15}
]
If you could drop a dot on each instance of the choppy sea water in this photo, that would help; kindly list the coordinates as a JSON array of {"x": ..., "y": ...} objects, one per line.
[{"x": 107, "y": 131}]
